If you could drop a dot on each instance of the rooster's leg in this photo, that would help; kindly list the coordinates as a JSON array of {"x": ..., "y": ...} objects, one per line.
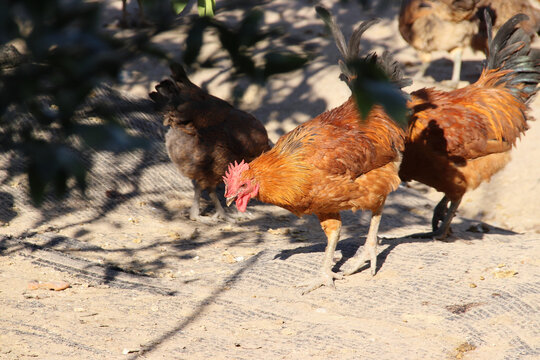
[
  {"x": 331, "y": 224},
  {"x": 443, "y": 214},
  {"x": 439, "y": 213},
  {"x": 195, "y": 212},
  {"x": 442, "y": 232},
  {"x": 369, "y": 251}
]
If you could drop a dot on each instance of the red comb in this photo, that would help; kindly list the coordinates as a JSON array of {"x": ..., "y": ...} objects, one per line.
[{"x": 235, "y": 170}]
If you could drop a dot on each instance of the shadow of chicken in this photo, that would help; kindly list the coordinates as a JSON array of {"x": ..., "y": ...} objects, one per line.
[
  {"x": 453, "y": 25},
  {"x": 205, "y": 135}
]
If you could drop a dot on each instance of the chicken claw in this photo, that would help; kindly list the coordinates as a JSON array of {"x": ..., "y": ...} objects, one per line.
[
  {"x": 360, "y": 259},
  {"x": 438, "y": 234},
  {"x": 369, "y": 251},
  {"x": 212, "y": 220},
  {"x": 220, "y": 214},
  {"x": 444, "y": 215},
  {"x": 325, "y": 279},
  {"x": 331, "y": 225}
]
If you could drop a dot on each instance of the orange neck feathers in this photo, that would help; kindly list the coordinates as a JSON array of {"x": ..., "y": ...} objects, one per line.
[{"x": 282, "y": 176}]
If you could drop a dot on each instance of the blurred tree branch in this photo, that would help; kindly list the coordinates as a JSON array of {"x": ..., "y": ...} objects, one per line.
[
  {"x": 64, "y": 55},
  {"x": 240, "y": 42}
]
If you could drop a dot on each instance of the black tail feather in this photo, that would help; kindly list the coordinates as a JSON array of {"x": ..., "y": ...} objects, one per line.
[
  {"x": 351, "y": 51},
  {"x": 392, "y": 69},
  {"x": 336, "y": 31},
  {"x": 510, "y": 49}
]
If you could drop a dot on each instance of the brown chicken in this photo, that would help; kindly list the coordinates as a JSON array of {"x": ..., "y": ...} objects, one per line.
[
  {"x": 459, "y": 139},
  {"x": 502, "y": 10},
  {"x": 205, "y": 135},
  {"x": 452, "y": 25},
  {"x": 336, "y": 161}
]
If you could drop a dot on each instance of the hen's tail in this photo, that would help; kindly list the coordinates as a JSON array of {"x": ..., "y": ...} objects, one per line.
[
  {"x": 170, "y": 94},
  {"x": 351, "y": 51},
  {"x": 509, "y": 61}
]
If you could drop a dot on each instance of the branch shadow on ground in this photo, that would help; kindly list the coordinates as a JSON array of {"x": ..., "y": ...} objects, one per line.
[
  {"x": 120, "y": 181},
  {"x": 199, "y": 309}
]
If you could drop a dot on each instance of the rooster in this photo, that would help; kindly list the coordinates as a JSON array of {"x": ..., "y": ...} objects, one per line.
[
  {"x": 206, "y": 133},
  {"x": 334, "y": 162},
  {"x": 452, "y": 25},
  {"x": 459, "y": 139}
]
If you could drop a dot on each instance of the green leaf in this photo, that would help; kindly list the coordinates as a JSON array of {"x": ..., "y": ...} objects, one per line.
[
  {"x": 179, "y": 5},
  {"x": 206, "y": 8},
  {"x": 385, "y": 94},
  {"x": 371, "y": 86}
]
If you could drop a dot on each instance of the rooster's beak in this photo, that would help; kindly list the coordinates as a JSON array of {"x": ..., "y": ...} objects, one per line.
[{"x": 231, "y": 199}]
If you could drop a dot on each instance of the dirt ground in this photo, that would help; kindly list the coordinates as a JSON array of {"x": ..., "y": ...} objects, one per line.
[{"x": 148, "y": 283}]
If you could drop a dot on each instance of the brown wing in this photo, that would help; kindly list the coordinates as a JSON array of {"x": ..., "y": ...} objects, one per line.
[
  {"x": 466, "y": 123},
  {"x": 337, "y": 143}
]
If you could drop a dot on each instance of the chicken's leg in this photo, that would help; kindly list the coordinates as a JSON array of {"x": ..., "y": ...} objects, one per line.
[
  {"x": 331, "y": 224},
  {"x": 443, "y": 214},
  {"x": 439, "y": 213},
  {"x": 142, "y": 20},
  {"x": 456, "y": 70},
  {"x": 195, "y": 211},
  {"x": 425, "y": 59},
  {"x": 369, "y": 251},
  {"x": 124, "y": 20},
  {"x": 220, "y": 212}
]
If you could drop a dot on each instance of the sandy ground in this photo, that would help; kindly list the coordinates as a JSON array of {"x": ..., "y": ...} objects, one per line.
[{"x": 145, "y": 282}]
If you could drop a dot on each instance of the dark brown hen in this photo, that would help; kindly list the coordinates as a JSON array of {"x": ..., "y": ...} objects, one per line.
[{"x": 205, "y": 135}]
